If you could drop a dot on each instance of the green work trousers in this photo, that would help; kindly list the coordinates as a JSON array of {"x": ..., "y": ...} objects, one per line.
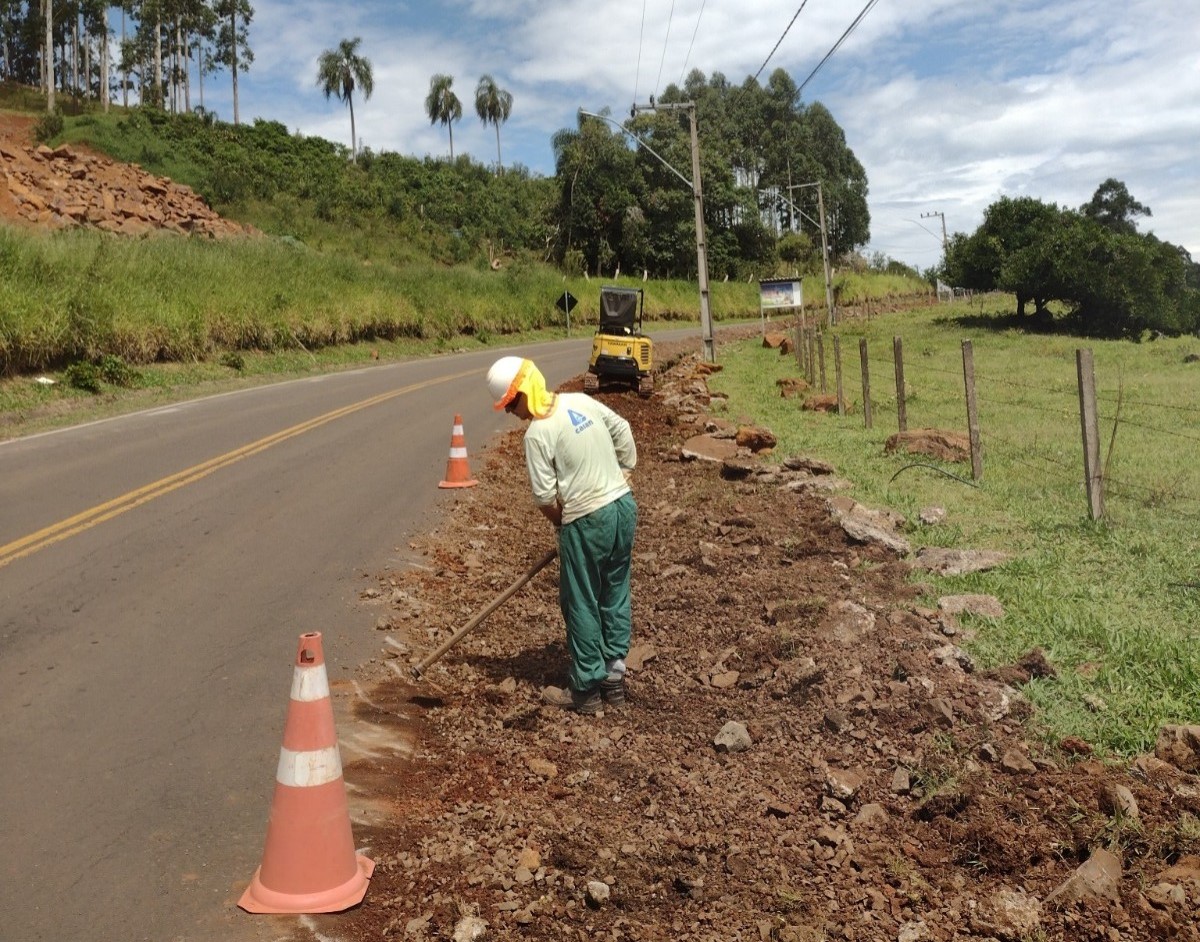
[{"x": 595, "y": 554}]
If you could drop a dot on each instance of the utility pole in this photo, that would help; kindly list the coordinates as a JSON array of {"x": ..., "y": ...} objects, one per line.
[
  {"x": 825, "y": 256},
  {"x": 706, "y": 327},
  {"x": 942, "y": 216},
  {"x": 824, "y": 245}
]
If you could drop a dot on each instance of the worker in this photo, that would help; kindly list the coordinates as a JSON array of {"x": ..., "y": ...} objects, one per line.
[{"x": 579, "y": 454}]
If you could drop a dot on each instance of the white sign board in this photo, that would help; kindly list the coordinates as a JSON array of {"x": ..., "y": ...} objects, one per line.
[{"x": 780, "y": 294}]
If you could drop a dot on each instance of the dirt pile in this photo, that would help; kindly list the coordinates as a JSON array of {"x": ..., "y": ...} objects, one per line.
[
  {"x": 62, "y": 188},
  {"x": 807, "y": 753}
]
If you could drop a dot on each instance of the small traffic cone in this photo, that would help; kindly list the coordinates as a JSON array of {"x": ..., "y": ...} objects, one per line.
[
  {"x": 309, "y": 864},
  {"x": 457, "y": 472}
]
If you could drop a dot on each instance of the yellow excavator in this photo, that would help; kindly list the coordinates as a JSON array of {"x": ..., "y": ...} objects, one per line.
[{"x": 621, "y": 353}]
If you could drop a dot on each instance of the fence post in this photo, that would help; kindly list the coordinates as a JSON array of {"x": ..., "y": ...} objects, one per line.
[
  {"x": 968, "y": 356},
  {"x": 837, "y": 366},
  {"x": 810, "y": 352},
  {"x": 799, "y": 337},
  {"x": 866, "y": 381},
  {"x": 901, "y": 406},
  {"x": 1090, "y": 424},
  {"x": 821, "y": 357}
]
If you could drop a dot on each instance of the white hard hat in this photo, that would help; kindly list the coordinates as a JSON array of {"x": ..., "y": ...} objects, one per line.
[{"x": 500, "y": 379}]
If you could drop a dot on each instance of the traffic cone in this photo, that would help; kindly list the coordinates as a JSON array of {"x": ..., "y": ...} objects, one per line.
[
  {"x": 457, "y": 472},
  {"x": 309, "y": 864}
]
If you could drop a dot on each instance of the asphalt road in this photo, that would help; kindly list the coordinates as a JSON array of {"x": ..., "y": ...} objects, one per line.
[{"x": 155, "y": 572}]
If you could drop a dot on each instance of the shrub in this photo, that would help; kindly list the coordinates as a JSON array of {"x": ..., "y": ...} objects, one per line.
[
  {"x": 116, "y": 371},
  {"x": 48, "y": 126},
  {"x": 83, "y": 375}
]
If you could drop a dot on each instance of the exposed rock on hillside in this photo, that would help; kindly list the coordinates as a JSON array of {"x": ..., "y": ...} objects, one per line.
[{"x": 60, "y": 188}]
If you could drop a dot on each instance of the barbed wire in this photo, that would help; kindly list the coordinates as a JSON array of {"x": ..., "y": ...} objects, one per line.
[
  {"x": 1155, "y": 428},
  {"x": 1148, "y": 405}
]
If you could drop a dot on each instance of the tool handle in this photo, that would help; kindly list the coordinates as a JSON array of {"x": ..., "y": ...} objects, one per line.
[{"x": 419, "y": 668}]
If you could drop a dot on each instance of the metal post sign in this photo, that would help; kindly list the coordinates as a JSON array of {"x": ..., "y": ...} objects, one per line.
[
  {"x": 564, "y": 304},
  {"x": 779, "y": 294}
]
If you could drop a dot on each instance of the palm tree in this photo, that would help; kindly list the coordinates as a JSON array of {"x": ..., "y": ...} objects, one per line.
[
  {"x": 493, "y": 105},
  {"x": 442, "y": 105},
  {"x": 339, "y": 71}
]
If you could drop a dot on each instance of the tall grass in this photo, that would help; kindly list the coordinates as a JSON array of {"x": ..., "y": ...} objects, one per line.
[
  {"x": 1116, "y": 603},
  {"x": 78, "y": 295}
]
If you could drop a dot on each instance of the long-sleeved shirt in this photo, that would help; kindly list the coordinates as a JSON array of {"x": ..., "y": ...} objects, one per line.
[{"x": 576, "y": 456}]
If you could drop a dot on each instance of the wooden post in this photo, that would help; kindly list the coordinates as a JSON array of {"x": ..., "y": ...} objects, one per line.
[
  {"x": 866, "y": 382},
  {"x": 837, "y": 367},
  {"x": 799, "y": 332},
  {"x": 968, "y": 356},
  {"x": 901, "y": 406},
  {"x": 812, "y": 356},
  {"x": 821, "y": 357},
  {"x": 1090, "y": 425}
]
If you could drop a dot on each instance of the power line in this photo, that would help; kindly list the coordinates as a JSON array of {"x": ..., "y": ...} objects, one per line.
[
  {"x": 688, "y": 57},
  {"x": 849, "y": 29},
  {"x": 772, "y": 52},
  {"x": 641, "y": 39},
  {"x": 666, "y": 39}
]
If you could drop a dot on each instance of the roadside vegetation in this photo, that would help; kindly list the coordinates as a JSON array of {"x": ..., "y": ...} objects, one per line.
[{"x": 1115, "y": 604}]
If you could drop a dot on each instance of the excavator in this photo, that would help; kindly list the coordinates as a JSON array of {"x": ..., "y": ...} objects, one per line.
[{"x": 621, "y": 354}]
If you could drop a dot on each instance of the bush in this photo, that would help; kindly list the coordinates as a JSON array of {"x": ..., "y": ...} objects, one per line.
[
  {"x": 116, "y": 371},
  {"x": 83, "y": 375},
  {"x": 48, "y": 126}
]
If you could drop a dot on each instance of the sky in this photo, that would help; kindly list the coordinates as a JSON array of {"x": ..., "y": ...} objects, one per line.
[{"x": 948, "y": 104}]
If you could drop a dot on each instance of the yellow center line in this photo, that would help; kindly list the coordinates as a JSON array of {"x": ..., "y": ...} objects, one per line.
[{"x": 80, "y": 522}]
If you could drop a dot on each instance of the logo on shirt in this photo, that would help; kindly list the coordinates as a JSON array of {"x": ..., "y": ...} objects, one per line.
[{"x": 579, "y": 420}]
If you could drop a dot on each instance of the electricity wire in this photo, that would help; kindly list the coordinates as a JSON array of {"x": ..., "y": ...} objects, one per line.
[
  {"x": 772, "y": 52},
  {"x": 641, "y": 40},
  {"x": 666, "y": 40},
  {"x": 688, "y": 57},
  {"x": 849, "y": 29}
]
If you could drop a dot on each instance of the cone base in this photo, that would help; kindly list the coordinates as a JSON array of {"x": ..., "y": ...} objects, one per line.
[
  {"x": 260, "y": 899},
  {"x": 470, "y": 483}
]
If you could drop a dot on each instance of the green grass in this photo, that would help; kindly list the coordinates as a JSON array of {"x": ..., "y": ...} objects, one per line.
[{"x": 1114, "y": 603}]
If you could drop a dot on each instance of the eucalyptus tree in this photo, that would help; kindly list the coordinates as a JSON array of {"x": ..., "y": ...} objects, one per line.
[
  {"x": 48, "y": 53},
  {"x": 442, "y": 105},
  {"x": 339, "y": 72},
  {"x": 493, "y": 104},
  {"x": 232, "y": 47}
]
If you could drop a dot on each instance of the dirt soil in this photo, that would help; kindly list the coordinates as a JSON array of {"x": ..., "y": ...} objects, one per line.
[{"x": 878, "y": 787}]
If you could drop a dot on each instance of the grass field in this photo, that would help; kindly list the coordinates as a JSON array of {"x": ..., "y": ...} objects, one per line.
[{"x": 1114, "y": 603}]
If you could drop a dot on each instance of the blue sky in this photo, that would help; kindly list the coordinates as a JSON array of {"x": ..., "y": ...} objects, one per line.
[{"x": 948, "y": 104}]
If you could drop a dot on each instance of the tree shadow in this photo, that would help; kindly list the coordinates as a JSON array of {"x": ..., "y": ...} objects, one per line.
[{"x": 998, "y": 322}]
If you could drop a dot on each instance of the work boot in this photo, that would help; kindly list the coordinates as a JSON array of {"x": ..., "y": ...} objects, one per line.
[
  {"x": 612, "y": 689},
  {"x": 566, "y": 698}
]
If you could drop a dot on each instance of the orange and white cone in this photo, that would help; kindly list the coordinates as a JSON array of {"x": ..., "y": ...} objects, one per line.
[
  {"x": 309, "y": 864},
  {"x": 458, "y": 474}
]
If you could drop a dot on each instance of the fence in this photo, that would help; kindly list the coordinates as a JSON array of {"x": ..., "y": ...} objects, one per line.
[{"x": 1064, "y": 425}]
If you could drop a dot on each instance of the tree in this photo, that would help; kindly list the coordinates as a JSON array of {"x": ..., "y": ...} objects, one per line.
[
  {"x": 1010, "y": 227},
  {"x": 1113, "y": 281},
  {"x": 443, "y": 106},
  {"x": 339, "y": 71},
  {"x": 1114, "y": 208},
  {"x": 493, "y": 105},
  {"x": 232, "y": 42}
]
